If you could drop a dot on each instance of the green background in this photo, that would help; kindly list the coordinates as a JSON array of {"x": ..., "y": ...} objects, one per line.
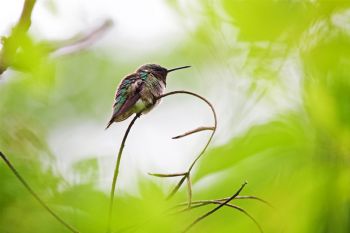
[{"x": 298, "y": 159}]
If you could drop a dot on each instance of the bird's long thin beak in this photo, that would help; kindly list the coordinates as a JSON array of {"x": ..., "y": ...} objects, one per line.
[{"x": 178, "y": 68}]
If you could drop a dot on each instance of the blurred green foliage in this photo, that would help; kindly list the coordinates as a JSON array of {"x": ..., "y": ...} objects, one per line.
[{"x": 299, "y": 160}]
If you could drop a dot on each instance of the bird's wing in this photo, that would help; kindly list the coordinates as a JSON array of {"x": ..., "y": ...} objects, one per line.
[{"x": 127, "y": 95}]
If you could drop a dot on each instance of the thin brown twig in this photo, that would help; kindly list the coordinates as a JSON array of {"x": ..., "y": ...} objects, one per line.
[
  {"x": 214, "y": 115},
  {"x": 246, "y": 213},
  {"x": 167, "y": 175},
  {"x": 31, "y": 191},
  {"x": 249, "y": 197},
  {"x": 204, "y": 203},
  {"x": 213, "y": 129},
  {"x": 224, "y": 199},
  {"x": 176, "y": 188},
  {"x": 215, "y": 209},
  {"x": 199, "y": 129},
  {"x": 193, "y": 206},
  {"x": 116, "y": 172}
]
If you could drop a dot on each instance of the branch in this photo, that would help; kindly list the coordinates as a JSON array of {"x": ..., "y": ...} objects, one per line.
[
  {"x": 10, "y": 44},
  {"x": 25, "y": 21},
  {"x": 116, "y": 172},
  {"x": 215, "y": 209},
  {"x": 56, "y": 48},
  {"x": 78, "y": 42},
  {"x": 30, "y": 190}
]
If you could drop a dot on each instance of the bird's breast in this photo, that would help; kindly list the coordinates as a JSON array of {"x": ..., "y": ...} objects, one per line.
[
  {"x": 150, "y": 92},
  {"x": 154, "y": 88}
]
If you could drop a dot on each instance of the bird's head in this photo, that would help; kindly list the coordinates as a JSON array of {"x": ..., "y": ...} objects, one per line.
[{"x": 158, "y": 71}]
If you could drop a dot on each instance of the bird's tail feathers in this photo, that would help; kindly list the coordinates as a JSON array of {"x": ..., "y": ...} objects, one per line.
[{"x": 109, "y": 123}]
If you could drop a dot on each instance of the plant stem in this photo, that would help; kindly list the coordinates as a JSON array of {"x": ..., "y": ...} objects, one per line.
[
  {"x": 189, "y": 190},
  {"x": 31, "y": 191},
  {"x": 240, "y": 209},
  {"x": 213, "y": 129},
  {"x": 224, "y": 199},
  {"x": 9, "y": 48},
  {"x": 215, "y": 209},
  {"x": 116, "y": 172}
]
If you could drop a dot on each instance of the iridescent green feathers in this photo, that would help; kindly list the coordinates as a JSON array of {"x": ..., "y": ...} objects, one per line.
[{"x": 128, "y": 93}]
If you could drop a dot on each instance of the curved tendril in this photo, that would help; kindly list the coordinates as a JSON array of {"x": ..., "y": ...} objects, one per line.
[{"x": 199, "y": 129}]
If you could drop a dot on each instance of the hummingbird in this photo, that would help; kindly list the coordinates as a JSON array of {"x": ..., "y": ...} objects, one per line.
[{"x": 138, "y": 92}]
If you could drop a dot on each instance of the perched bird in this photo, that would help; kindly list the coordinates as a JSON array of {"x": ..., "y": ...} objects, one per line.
[{"x": 139, "y": 91}]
